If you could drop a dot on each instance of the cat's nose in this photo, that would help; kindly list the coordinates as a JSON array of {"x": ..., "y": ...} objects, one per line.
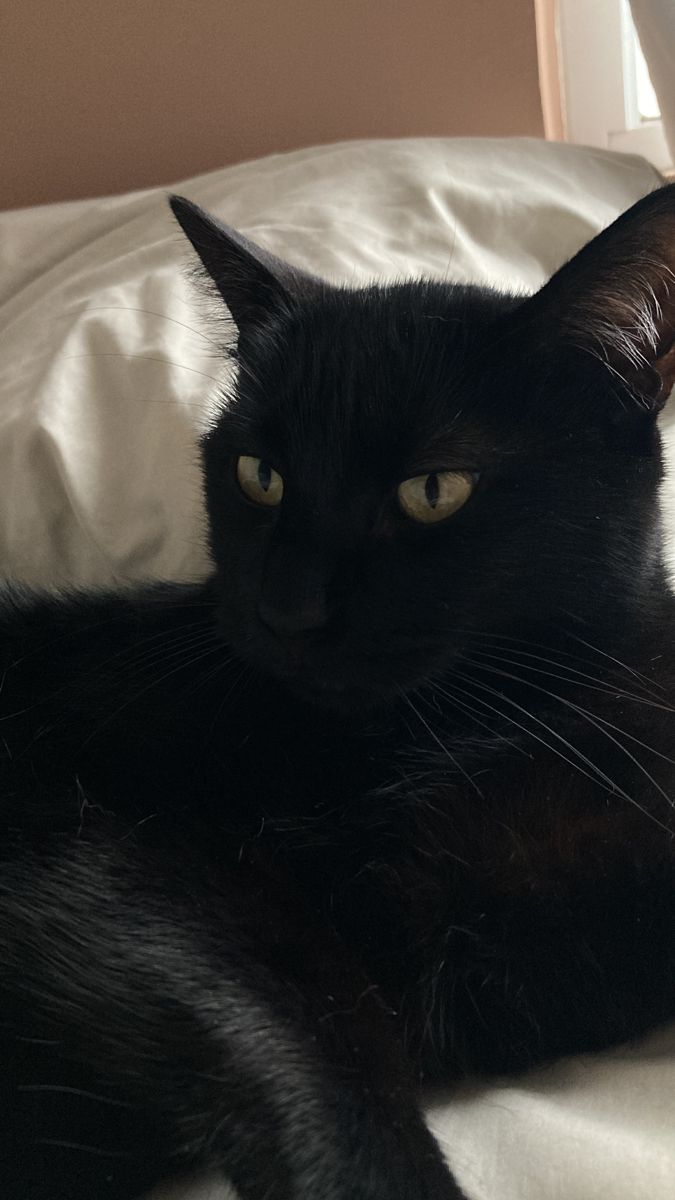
[{"x": 305, "y": 616}]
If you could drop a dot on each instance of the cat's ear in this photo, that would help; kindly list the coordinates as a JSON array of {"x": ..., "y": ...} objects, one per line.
[
  {"x": 253, "y": 283},
  {"x": 616, "y": 298}
]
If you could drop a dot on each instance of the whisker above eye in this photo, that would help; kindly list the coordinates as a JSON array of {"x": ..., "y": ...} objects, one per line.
[
  {"x": 166, "y": 362},
  {"x": 151, "y": 313}
]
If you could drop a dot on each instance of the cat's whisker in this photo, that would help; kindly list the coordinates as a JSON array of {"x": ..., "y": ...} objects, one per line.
[
  {"x": 614, "y": 693},
  {"x": 495, "y": 643},
  {"x": 151, "y": 313},
  {"x": 469, "y": 710},
  {"x": 624, "y": 666},
  {"x": 59, "y": 1088},
  {"x": 485, "y": 635},
  {"x": 99, "y": 1151},
  {"x": 598, "y": 720},
  {"x": 490, "y": 707},
  {"x": 183, "y": 665},
  {"x": 223, "y": 667},
  {"x": 578, "y": 678},
  {"x": 584, "y": 712},
  {"x": 130, "y": 667},
  {"x": 165, "y": 653},
  {"x": 596, "y": 774},
  {"x": 134, "y": 654},
  {"x": 166, "y": 362},
  {"x": 440, "y": 745},
  {"x": 242, "y": 681},
  {"x": 96, "y": 625},
  {"x": 565, "y": 700},
  {"x": 184, "y": 657}
]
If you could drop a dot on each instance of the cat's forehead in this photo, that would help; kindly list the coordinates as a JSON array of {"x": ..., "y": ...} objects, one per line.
[{"x": 380, "y": 372}]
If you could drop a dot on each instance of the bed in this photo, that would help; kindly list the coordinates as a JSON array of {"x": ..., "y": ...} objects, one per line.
[{"x": 109, "y": 361}]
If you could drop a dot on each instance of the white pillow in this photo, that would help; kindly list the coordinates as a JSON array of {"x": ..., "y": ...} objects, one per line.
[{"x": 105, "y": 383}]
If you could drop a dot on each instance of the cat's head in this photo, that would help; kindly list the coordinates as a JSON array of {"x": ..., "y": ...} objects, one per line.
[{"x": 400, "y": 468}]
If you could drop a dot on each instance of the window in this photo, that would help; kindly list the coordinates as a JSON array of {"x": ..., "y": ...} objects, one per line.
[{"x": 607, "y": 95}]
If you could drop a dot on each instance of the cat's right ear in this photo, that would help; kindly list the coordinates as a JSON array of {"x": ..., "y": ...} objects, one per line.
[
  {"x": 615, "y": 300},
  {"x": 254, "y": 284}
]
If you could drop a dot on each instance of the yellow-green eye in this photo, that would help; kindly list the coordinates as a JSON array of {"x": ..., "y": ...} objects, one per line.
[
  {"x": 433, "y": 497},
  {"x": 259, "y": 481}
]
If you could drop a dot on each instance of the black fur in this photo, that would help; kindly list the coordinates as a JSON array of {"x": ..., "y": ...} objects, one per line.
[{"x": 381, "y": 802}]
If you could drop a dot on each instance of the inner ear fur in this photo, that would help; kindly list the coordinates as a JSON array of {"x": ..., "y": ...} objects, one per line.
[{"x": 616, "y": 298}]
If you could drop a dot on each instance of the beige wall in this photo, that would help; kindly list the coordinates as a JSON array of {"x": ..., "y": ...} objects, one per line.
[{"x": 101, "y": 96}]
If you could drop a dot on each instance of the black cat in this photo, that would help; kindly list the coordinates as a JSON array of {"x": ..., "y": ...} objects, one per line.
[{"x": 388, "y": 798}]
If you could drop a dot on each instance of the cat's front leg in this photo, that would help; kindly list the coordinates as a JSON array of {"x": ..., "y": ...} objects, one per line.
[{"x": 145, "y": 1034}]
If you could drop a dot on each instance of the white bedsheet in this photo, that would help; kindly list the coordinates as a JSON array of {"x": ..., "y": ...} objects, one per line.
[{"x": 105, "y": 381}]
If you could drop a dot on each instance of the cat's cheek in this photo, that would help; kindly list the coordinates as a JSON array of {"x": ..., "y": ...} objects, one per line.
[
  {"x": 238, "y": 593},
  {"x": 238, "y": 546}
]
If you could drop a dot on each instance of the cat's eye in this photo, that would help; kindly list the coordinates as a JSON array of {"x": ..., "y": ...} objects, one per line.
[
  {"x": 436, "y": 496},
  {"x": 259, "y": 481}
]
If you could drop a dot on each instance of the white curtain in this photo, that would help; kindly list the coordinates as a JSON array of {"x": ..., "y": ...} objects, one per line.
[{"x": 655, "y": 23}]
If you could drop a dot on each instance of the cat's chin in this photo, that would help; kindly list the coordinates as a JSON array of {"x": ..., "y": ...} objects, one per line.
[
  {"x": 348, "y": 699},
  {"x": 342, "y": 691},
  {"x": 338, "y": 689}
]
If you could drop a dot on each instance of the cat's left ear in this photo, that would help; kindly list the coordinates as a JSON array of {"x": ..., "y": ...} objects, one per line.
[
  {"x": 616, "y": 299},
  {"x": 254, "y": 284}
]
